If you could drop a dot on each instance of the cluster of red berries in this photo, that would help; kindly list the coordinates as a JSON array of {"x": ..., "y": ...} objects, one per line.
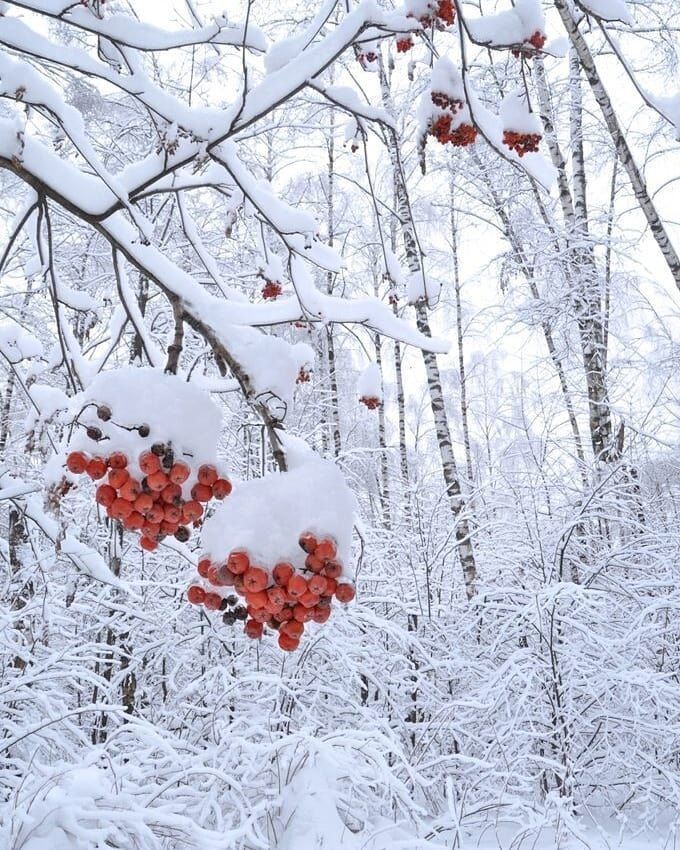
[
  {"x": 460, "y": 136},
  {"x": 372, "y": 402},
  {"x": 404, "y": 44},
  {"x": 521, "y": 143},
  {"x": 367, "y": 58},
  {"x": 440, "y": 12},
  {"x": 304, "y": 376},
  {"x": 284, "y": 599},
  {"x": 154, "y": 505},
  {"x": 443, "y": 101},
  {"x": 532, "y": 46},
  {"x": 271, "y": 290}
]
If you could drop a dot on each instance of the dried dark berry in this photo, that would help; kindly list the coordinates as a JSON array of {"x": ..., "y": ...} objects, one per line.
[
  {"x": 94, "y": 433},
  {"x": 144, "y": 430},
  {"x": 104, "y": 412},
  {"x": 182, "y": 534}
]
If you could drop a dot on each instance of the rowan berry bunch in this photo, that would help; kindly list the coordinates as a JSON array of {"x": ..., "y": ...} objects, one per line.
[
  {"x": 440, "y": 13},
  {"x": 271, "y": 290},
  {"x": 283, "y": 598},
  {"x": 460, "y": 137},
  {"x": 372, "y": 402},
  {"x": 156, "y": 495},
  {"x": 521, "y": 143},
  {"x": 404, "y": 44},
  {"x": 443, "y": 101},
  {"x": 304, "y": 376},
  {"x": 532, "y": 46},
  {"x": 366, "y": 58}
]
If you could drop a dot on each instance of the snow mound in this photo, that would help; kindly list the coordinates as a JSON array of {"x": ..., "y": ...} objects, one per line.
[
  {"x": 608, "y": 10},
  {"x": 16, "y": 344},
  {"x": 369, "y": 384},
  {"x": 512, "y": 26},
  {"x": 175, "y": 411},
  {"x": 516, "y": 115},
  {"x": 266, "y": 516}
]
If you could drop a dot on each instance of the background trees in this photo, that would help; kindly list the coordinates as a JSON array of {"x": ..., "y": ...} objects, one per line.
[{"x": 510, "y": 664}]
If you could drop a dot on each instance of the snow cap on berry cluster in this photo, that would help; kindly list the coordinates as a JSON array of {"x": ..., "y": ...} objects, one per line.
[
  {"x": 515, "y": 113},
  {"x": 266, "y": 516},
  {"x": 369, "y": 384},
  {"x": 509, "y": 27},
  {"x": 445, "y": 79},
  {"x": 176, "y": 413}
]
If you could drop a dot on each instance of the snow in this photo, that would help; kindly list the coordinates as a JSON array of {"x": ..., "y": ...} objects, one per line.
[
  {"x": 608, "y": 10},
  {"x": 369, "y": 384},
  {"x": 509, "y": 27},
  {"x": 16, "y": 343},
  {"x": 272, "y": 363},
  {"x": 266, "y": 516},
  {"x": 516, "y": 115},
  {"x": 422, "y": 287},
  {"x": 174, "y": 409}
]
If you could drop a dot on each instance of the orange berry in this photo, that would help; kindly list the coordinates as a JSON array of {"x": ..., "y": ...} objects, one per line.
[
  {"x": 302, "y": 614},
  {"x": 238, "y": 562},
  {"x": 168, "y": 527},
  {"x": 285, "y": 614},
  {"x": 288, "y": 643},
  {"x": 118, "y": 477},
  {"x": 297, "y": 586},
  {"x": 156, "y": 514},
  {"x": 256, "y": 598},
  {"x": 325, "y": 550},
  {"x": 294, "y": 628},
  {"x": 118, "y": 460},
  {"x": 221, "y": 488},
  {"x": 151, "y": 529},
  {"x": 105, "y": 495},
  {"x": 157, "y": 481},
  {"x": 96, "y": 468},
  {"x": 76, "y": 462},
  {"x": 149, "y": 463},
  {"x": 172, "y": 514},
  {"x": 309, "y": 599},
  {"x": 120, "y": 509},
  {"x": 171, "y": 494},
  {"x": 179, "y": 473},
  {"x": 282, "y": 573},
  {"x": 345, "y": 593},
  {"x": 320, "y": 614},
  {"x": 135, "y": 522},
  {"x": 254, "y": 579},
  {"x": 333, "y": 569},
  {"x": 191, "y": 511},
  {"x": 143, "y": 503},
  {"x": 196, "y": 594},
  {"x": 201, "y": 492},
  {"x": 212, "y": 601},
  {"x": 207, "y": 474},
  {"x": 148, "y": 544},
  {"x": 314, "y": 563},
  {"x": 203, "y": 567},
  {"x": 130, "y": 490},
  {"x": 318, "y": 584},
  {"x": 307, "y": 542},
  {"x": 254, "y": 629},
  {"x": 277, "y": 597}
]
